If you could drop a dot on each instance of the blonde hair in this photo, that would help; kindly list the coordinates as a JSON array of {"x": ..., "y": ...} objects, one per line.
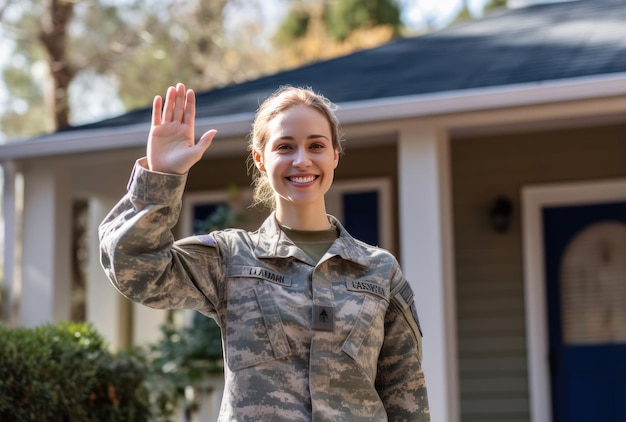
[{"x": 281, "y": 100}]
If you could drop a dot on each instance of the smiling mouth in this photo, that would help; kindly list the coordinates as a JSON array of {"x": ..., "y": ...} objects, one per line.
[{"x": 302, "y": 179}]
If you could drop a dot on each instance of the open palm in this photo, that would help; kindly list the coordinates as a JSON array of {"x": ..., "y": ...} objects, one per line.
[{"x": 171, "y": 143}]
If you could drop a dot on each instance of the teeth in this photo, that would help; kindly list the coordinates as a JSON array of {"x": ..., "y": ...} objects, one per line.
[{"x": 302, "y": 179}]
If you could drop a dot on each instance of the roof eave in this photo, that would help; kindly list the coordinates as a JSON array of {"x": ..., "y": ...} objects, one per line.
[{"x": 351, "y": 113}]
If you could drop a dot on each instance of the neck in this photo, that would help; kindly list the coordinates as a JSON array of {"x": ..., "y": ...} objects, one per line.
[{"x": 308, "y": 217}]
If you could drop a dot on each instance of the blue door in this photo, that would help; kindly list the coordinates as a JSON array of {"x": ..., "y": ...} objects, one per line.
[{"x": 586, "y": 293}]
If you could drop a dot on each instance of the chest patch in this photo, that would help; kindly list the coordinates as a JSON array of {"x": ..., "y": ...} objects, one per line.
[
  {"x": 368, "y": 287},
  {"x": 260, "y": 272}
]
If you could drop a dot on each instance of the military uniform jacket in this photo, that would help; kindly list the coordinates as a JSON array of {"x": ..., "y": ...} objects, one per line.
[{"x": 334, "y": 340}]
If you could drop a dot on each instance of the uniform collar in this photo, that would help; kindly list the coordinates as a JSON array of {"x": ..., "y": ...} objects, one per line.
[{"x": 273, "y": 243}]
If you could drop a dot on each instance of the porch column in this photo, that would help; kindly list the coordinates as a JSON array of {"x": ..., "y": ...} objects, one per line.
[
  {"x": 147, "y": 324},
  {"x": 11, "y": 207},
  {"x": 426, "y": 246},
  {"x": 106, "y": 309},
  {"x": 46, "y": 257}
]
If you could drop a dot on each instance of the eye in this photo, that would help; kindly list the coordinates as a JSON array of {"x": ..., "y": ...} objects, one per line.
[
  {"x": 317, "y": 145},
  {"x": 283, "y": 147}
]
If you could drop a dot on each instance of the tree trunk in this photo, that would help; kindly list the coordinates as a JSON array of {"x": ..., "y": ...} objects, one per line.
[{"x": 53, "y": 34}]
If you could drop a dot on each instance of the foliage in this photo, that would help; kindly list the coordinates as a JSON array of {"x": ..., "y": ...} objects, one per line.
[
  {"x": 222, "y": 217},
  {"x": 463, "y": 15},
  {"x": 64, "y": 372},
  {"x": 184, "y": 357},
  {"x": 494, "y": 4},
  {"x": 314, "y": 30},
  {"x": 346, "y": 16},
  {"x": 138, "y": 47}
]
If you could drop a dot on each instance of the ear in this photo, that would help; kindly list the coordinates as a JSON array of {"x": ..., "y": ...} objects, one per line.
[
  {"x": 258, "y": 160},
  {"x": 336, "y": 157}
]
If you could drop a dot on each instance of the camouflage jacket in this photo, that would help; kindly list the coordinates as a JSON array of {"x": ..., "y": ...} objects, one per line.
[{"x": 334, "y": 340}]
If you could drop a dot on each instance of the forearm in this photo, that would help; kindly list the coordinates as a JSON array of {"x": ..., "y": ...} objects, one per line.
[
  {"x": 136, "y": 242},
  {"x": 400, "y": 382}
]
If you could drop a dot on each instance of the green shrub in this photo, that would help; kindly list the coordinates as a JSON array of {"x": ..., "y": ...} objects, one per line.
[{"x": 64, "y": 372}]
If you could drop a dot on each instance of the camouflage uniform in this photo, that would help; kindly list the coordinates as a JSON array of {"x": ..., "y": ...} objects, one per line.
[{"x": 336, "y": 340}]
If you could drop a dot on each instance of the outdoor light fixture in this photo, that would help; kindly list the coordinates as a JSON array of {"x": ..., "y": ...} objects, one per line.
[{"x": 501, "y": 213}]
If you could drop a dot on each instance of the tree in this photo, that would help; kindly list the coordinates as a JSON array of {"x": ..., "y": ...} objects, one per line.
[
  {"x": 494, "y": 4},
  {"x": 53, "y": 29},
  {"x": 464, "y": 13},
  {"x": 347, "y": 16},
  {"x": 314, "y": 30},
  {"x": 140, "y": 47}
]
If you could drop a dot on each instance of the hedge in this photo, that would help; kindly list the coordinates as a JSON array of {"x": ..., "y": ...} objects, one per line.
[{"x": 64, "y": 372}]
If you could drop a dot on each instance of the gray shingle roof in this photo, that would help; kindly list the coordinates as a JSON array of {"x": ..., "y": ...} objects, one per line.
[{"x": 537, "y": 43}]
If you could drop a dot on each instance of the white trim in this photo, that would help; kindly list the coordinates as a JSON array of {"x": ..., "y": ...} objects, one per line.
[
  {"x": 467, "y": 100},
  {"x": 534, "y": 199},
  {"x": 356, "y": 112},
  {"x": 517, "y": 4}
]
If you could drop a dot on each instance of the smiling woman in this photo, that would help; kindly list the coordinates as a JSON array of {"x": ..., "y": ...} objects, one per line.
[
  {"x": 315, "y": 324},
  {"x": 299, "y": 160}
]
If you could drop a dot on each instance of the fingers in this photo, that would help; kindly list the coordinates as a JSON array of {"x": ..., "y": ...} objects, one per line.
[
  {"x": 174, "y": 104},
  {"x": 170, "y": 101},
  {"x": 156, "y": 110},
  {"x": 179, "y": 105},
  {"x": 190, "y": 107},
  {"x": 205, "y": 140}
]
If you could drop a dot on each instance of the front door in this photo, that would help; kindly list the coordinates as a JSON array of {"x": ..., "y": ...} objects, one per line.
[{"x": 585, "y": 273}]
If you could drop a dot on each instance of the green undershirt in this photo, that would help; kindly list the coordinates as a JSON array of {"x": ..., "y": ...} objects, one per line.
[{"x": 314, "y": 243}]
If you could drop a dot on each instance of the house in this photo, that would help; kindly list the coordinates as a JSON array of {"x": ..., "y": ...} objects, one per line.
[{"x": 492, "y": 158}]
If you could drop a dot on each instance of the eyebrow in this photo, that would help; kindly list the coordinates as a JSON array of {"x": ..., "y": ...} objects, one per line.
[{"x": 291, "y": 138}]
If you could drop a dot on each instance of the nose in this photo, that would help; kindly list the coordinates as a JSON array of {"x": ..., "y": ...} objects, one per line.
[{"x": 301, "y": 158}]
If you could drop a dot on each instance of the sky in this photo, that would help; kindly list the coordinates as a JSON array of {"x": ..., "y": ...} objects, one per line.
[{"x": 441, "y": 11}]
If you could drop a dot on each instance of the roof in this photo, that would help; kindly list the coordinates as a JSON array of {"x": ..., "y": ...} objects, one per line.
[{"x": 511, "y": 46}]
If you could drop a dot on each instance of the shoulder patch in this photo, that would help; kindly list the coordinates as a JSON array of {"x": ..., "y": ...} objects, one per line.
[
  {"x": 207, "y": 239},
  {"x": 204, "y": 239},
  {"x": 407, "y": 302}
]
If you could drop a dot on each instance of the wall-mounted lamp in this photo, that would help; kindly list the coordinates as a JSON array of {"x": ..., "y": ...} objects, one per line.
[{"x": 501, "y": 213}]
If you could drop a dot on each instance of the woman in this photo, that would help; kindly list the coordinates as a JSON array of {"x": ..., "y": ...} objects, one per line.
[{"x": 315, "y": 324}]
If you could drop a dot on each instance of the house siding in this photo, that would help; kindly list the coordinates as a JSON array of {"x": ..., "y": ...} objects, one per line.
[{"x": 493, "y": 367}]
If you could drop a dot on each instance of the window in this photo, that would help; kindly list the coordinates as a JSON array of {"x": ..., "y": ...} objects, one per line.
[{"x": 364, "y": 208}]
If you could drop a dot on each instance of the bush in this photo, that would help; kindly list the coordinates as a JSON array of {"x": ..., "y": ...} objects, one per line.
[{"x": 64, "y": 372}]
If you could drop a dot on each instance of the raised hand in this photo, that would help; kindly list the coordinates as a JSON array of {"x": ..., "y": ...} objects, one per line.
[{"x": 171, "y": 143}]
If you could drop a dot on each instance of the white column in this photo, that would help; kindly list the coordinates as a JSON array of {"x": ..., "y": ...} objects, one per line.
[
  {"x": 47, "y": 234},
  {"x": 427, "y": 258},
  {"x": 147, "y": 324},
  {"x": 105, "y": 306},
  {"x": 11, "y": 208}
]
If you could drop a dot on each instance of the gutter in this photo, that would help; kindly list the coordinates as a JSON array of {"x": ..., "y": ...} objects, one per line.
[{"x": 350, "y": 113}]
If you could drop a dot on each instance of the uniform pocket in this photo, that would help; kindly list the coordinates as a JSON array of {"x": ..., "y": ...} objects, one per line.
[
  {"x": 366, "y": 337},
  {"x": 255, "y": 332}
]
